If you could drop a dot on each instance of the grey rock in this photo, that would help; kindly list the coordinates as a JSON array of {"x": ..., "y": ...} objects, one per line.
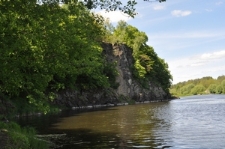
[{"x": 128, "y": 87}]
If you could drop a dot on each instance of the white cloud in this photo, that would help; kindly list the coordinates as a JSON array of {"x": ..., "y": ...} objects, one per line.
[
  {"x": 183, "y": 39},
  {"x": 204, "y": 59},
  {"x": 208, "y": 10},
  {"x": 114, "y": 16},
  {"x": 158, "y": 7},
  {"x": 180, "y": 13},
  {"x": 198, "y": 66},
  {"x": 167, "y": 43},
  {"x": 214, "y": 55},
  {"x": 219, "y": 3}
]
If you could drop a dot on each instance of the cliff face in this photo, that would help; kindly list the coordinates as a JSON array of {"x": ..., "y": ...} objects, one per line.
[{"x": 128, "y": 87}]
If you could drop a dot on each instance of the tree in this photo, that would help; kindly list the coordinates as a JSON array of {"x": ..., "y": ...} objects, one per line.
[
  {"x": 185, "y": 90},
  {"x": 130, "y": 35},
  {"x": 212, "y": 88},
  {"x": 47, "y": 48},
  {"x": 147, "y": 65},
  {"x": 220, "y": 78},
  {"x": 108, "y": 5},
  {"x": 208, "y": 82},
  {"x": 108, "y": 32},
  {"x": 223, "y": 86},
  {"x": 219, "y": 89},
  {"x": 198, "y": 89}
]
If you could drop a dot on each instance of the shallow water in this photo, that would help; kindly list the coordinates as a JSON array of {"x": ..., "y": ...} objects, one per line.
[{"x": 192, "y": 122}]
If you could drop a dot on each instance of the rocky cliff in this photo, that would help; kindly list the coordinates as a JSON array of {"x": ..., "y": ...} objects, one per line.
[
  {"x": 122, "y": 55},
  {"x": 128, "y": 87}
]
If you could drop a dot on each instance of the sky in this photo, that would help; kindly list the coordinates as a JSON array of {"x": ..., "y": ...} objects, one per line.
[{"x": 188, "y": 34}]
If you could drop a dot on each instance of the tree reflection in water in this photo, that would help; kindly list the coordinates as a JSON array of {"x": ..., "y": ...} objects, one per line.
[{"x": 117, "y": 127}]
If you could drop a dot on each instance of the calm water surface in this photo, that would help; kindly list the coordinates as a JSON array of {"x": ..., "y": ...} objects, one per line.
[{"x": 195, "y": 122}]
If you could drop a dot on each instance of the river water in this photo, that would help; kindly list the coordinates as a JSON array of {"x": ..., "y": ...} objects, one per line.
[{"x": 195, "y": 122}]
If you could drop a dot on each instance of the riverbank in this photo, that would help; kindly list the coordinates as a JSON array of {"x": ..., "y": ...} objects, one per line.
[
  {"x": 153, "y": 125},
  {"x": 12, "y": 136}
]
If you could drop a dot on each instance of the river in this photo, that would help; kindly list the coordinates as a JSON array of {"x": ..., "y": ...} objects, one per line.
[{"x": 195, "y": 122}]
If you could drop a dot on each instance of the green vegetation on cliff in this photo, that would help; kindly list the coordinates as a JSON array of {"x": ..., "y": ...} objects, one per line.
[
  {"x": 205, "y": 85},
  {"x": 47, "y": 48},
  {"x": 148, "y": 66}
]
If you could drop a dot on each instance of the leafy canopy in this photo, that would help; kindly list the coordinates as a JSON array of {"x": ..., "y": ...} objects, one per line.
[
  {"x": 46, "y": 48},
  {"x": 147, "y": 65},
  {"x": 203, "y": 85},
  {"x": 108, "y": 5}
]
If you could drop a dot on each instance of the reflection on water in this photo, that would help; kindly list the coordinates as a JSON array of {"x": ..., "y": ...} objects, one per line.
[
  {"x": 191, "y": 122},
  {"x": 117, "y": 127}
]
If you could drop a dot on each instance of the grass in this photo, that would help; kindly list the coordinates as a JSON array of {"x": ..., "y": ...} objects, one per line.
[{"x": 20, "y": 138}]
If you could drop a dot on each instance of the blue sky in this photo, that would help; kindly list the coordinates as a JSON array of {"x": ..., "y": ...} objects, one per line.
[{"x": 188, "y": 34}]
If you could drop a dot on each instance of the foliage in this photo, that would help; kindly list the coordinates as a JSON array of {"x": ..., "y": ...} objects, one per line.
[
  {"x": 147, "y": 66},
  {"x": 45, "y": 48},
  {"x": 199, "y": 86},
  {"x": 187, "y": 89},
  {"x": 108, "y": 32},
  {"x": 23, "y": 138},
  {"x": 219, "y": 89},
  {"x": 108, "y": 5},
  {"x": 223, "y": 86},
  {"x": 111, "y": 72},
  {"x": 130, "y": 36},
  {"x": 212, "y": 88},
  {"x": 198, "y": 89}
]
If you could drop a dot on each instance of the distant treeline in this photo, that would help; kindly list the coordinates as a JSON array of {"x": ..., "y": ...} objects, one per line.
[{"x": 205, "y": 85}]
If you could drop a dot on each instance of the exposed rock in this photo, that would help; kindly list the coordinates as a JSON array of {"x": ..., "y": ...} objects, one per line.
[
  {"x": 72, "y": 98},
  {"x": 128, "y": 87}
]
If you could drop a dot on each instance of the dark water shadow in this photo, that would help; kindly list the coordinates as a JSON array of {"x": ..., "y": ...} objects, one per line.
[
  {"x": 43, "y": 123},
  {"x": 132, "y": 135},
  {"x": 89, "y": 139}
]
